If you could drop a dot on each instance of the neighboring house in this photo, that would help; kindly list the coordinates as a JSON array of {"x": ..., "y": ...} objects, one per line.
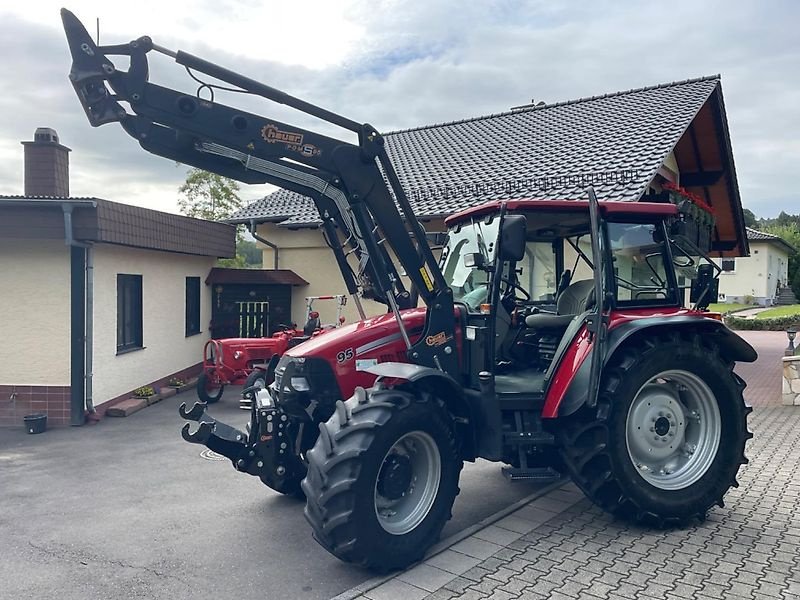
[
  {"x": 626, "y": 143},
  {"x": 98, "y": 298},
  {"x": 758, "y": 278}
]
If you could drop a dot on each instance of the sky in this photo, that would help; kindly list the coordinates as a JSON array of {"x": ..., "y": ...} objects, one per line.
[{"x": 399, "y": 64}]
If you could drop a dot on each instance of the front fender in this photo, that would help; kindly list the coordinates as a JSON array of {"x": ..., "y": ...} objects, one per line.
[
  {"x": 731, "y": 346},
  {"x": 448, "y": 390}
]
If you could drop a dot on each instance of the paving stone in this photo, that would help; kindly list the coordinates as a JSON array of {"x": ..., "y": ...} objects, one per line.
[
  {"x": 426, "y": 577},
  {"x": 517, "y": 524},
  {"x": 452, "y": 562},
  {"x": 394, "y": 589},
  {"x": 477, "y": 547},
  {"x": 497, "y": 535}
]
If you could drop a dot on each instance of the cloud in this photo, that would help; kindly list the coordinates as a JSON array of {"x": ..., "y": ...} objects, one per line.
[{"x": 404, "y": 64}]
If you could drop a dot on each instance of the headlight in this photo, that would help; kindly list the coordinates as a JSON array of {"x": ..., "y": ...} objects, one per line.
[{"x": 300, "y": 384}]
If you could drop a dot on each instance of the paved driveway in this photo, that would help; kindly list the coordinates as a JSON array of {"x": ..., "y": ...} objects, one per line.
[{"x": 126, "y": 509}]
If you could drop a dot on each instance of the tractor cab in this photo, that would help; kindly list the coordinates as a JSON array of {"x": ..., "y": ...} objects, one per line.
[{"x": 522, "y": 306}]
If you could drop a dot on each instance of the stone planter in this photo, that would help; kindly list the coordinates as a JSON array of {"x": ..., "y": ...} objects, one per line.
[
  {"x": 791, "y": 380},
  {"x": 152, "y": 399},
  {"x": 166, "y": 392}
]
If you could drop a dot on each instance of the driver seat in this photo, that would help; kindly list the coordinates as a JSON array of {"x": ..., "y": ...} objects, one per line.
[{"x": 574, "y": 300}]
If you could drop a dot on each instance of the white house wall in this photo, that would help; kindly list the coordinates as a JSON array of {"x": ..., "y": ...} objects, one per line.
[
  {"x": 34, "y": 310},
  {"x": 166, "y": 349},
  {"x": 304, "y": 252},
  {"x": 756, "y": 275}
]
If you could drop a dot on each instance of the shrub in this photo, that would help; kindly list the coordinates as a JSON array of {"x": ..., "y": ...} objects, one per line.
[
  {"x": 796, "y": 283},
  {"x": 175, "y": 382},
  {"x": 776, "y": 324},
  {"x": 144, "y": 391}
]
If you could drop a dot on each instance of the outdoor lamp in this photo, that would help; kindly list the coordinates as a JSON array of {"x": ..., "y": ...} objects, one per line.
[{"x": 790, "y": 333}]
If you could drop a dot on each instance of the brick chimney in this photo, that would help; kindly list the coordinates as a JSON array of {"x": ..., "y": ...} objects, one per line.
[{"x": 46, "y": 165}]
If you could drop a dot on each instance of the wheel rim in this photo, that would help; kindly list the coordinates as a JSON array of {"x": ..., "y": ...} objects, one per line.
[
  {"x": 673, "y": 430},
  {"x": 261, "y": 383},
  {"x": 407, "y": 483}
]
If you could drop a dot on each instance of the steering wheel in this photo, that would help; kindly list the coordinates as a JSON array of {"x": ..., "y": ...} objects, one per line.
[{"x": 516, "y": 286}]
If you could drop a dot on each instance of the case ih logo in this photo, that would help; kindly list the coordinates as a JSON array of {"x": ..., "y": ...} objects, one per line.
[{"x": 272, "y": 134}]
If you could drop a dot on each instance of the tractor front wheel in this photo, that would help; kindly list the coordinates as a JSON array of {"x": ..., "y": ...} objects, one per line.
[
  {"x": 382, "y": 478},
  {"x": 667, "y": 437},
  {"x": 207, "y": 390}
]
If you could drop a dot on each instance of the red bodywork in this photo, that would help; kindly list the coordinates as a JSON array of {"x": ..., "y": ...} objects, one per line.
[
  {"x": 352, "y": 348},
  {"x": 229, "y": 361}
]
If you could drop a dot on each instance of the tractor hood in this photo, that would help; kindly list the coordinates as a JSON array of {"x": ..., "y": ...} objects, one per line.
[{"x": 363, "y": 337}]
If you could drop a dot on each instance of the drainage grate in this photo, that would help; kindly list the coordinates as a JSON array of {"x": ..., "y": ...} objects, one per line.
[{"x": 211, "y": 455}]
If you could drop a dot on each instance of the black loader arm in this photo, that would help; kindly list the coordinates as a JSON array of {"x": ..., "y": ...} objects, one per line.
[{"x": 354, "y": 187}]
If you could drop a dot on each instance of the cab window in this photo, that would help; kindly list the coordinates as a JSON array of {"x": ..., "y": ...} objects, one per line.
[
  {"x": 539, "y": 277},
  {"x": 639, "y": 258}
]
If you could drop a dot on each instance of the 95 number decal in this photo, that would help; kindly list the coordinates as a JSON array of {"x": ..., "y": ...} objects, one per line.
[{"x": 344, "y": 355}]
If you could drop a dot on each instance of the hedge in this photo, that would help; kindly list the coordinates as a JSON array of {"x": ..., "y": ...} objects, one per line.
[{"x": 777, "y": 324}]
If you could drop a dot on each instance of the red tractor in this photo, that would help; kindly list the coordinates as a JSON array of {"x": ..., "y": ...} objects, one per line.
[
  {"x": 553, "y": 337},
  {"x": 244, "y": 361}
]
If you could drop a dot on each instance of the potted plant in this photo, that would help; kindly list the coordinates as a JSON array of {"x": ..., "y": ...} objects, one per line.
[
  {"x": 178, "y": 384},
  {"x": 146, "y": 392}
]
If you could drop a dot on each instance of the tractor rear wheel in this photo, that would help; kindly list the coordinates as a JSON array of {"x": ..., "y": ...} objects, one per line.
[
  {"x": 667, "y": 437},
  {"x": 208, "y": 391},
  {"x": 382, "y": 478}
]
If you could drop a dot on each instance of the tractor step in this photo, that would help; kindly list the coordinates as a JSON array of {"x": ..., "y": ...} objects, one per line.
[
  {"x": 537, "y": 474},
  {"x": 530, "y": 438}
]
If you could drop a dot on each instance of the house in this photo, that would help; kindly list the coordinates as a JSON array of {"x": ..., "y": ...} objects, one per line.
[
  {"x": 98, "y": 297},
  {"x": 626, "y": 144},
  {"x": 760, "y": 277}
]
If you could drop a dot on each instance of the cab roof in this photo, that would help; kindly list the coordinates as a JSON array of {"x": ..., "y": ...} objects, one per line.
[{"x": 617, "y": 208}]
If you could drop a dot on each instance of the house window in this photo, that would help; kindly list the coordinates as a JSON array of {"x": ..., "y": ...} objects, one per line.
[
  {"x": 728, "y": 265},
  {"x": 129, "y": 312},
  {"x": 192, "y": 306}
]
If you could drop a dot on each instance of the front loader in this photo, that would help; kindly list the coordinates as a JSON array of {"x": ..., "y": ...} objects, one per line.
[{"x": 553, "y": 337}]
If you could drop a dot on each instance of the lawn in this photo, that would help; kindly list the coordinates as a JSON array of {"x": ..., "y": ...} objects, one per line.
[
  {"x": 725, "y": 308},
  {"x": 780, "y": 311}
]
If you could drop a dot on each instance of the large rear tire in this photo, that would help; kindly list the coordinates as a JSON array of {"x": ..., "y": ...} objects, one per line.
[
  {"x": 207, "y": 390},
  {"x": 382, "y": 478},
  {"x": 667, "y": 437}
]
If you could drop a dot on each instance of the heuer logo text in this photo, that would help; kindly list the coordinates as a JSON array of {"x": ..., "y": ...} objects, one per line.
[{"x": 272, "y": 134}]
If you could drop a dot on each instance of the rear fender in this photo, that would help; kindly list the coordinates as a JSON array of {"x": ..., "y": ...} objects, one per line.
[
  {"x": 732, "y": 347},
  {"x": 443, "y": 386}
]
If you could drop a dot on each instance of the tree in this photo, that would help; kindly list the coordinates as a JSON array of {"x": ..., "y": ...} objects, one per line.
[
  {"x": 750, "y": 219},
  {"x": 212, "y": 197},
  {"x": 251, "y": 253},
  {"x": 789, "y": 232},
  {"x": 208, "y": 196}
]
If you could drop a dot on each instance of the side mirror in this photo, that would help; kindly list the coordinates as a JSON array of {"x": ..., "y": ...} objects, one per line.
[
  {"x": 705, "y": 288},
  {"x": 474, "y": 260},
  {"x": 512, "y": 237},
  {"x": 436, "y": 239}
]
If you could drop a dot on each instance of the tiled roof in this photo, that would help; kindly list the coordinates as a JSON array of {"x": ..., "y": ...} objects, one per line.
[
  {"x": 754, "y": 235},
  {"x": 98, "y": 220},
  {"x": 631, "y": 131},
  {"x": 255, "y": 276}
]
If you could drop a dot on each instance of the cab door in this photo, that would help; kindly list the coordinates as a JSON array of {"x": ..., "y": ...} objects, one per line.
[{"x": 597, "y": 320}]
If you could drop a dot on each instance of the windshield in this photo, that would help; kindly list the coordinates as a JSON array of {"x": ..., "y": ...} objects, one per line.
[{"x": 470, "y": 285}]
